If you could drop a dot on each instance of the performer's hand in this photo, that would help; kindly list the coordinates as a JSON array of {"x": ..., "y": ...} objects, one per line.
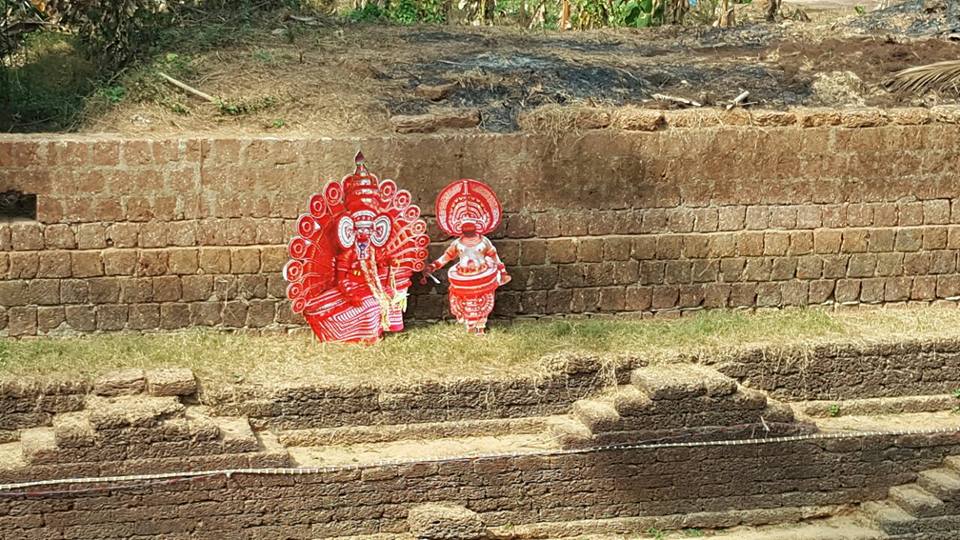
[{"x": 348, "y": 294}]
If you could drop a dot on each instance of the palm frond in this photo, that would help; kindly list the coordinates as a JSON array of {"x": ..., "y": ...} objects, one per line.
[{"x": 941, "y": 76}]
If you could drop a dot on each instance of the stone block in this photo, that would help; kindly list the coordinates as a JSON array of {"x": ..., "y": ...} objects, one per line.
[
  {"x": 801, "y": 243},
  {"x": 588, "y": 250},
  {"x": 445, "y": 522},
  {"x": 86, "y": 264},
  {"x": 59, "y": 236},
  {"x": 428, "y": 123},
  {"x": 768, "y": 295},
  {"x": 131, "y": 411},
  {"x": 826, "y": 241},
  {"x": 599, "y": 416},
  {"x": 716, "y": 295},
  {"x": 49, "y": 318},
  {"x": 936, "y": 212},
  {"x": 872, "y": 290},
  {"x": 835, "y": 266},
  {"x": 847, "y": 290},
  {"x": 637, "y": 119},
  {"x": 81, "y": 318},
  {"x": 174, "y": 316},
  {"x": 144, "y": 316},
  {"x": 909, "y": 240},
  {"x": 562, "y": 250},
  {"x": 171, "y": 382},
  {"x": 52, "y": 264},
  {"x": 821, "y": 291},
  {"x": 731, "y": 218},
  {"x": 26, "y": 236},
  {"x": 119, "y": 262},
  {"x": 22, "y": 321},
  {"x": 215, "y": 260},
  {"x": 743, "y": 295},
  {"x": 119, "y": 383},
  {"x": 681, "y": 381},
  {"x": 91, "y": 236}
]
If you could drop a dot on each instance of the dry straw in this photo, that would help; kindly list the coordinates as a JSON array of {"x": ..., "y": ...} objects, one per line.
[{"x": 940, "y": 77}]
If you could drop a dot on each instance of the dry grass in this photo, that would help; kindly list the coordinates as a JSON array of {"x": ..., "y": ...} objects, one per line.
[
  {"x": 941, "y": 76},
  {"x": 444, "y": 352}
]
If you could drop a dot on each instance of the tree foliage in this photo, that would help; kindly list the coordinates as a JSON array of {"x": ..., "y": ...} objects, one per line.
[{"x": 17, "y": 19}]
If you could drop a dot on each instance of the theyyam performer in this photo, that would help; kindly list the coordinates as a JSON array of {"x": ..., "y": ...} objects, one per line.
[
  {"x": 353, "y": 257},
  {"x": 469, "y": 210}
]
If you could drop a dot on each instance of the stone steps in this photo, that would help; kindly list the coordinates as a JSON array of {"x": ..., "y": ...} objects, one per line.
[
  {"x": 916, "y": 501},
  {"x": 942, "y": 483},
  {"x": 890, "y": 517},
  {"x": 927, "y": 509},
  {"x": 665, "y": 403},
  {"x": 234, "y": 435},
  {"x": 130, "y": 427}
]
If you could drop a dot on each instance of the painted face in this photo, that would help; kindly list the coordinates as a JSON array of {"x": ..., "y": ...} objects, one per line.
[
  {"x": 469, "y": 228},
  {"x": 362, "y": 230},
  {"x": 362, "y": 242}
]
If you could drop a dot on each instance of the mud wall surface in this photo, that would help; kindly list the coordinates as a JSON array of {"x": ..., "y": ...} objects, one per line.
[
  {"x": 657, "y": 215},
  {"x": 504, "y": 490}
]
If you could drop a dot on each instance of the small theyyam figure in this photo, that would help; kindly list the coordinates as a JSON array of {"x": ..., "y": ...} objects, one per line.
[{"x": 469, "y": 209}]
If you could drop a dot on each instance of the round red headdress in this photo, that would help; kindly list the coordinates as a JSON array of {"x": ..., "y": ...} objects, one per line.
[{"x": 468, "y": 201}]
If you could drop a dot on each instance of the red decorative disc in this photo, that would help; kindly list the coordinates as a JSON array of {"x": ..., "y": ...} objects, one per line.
[{"x": 468, "y": 200}]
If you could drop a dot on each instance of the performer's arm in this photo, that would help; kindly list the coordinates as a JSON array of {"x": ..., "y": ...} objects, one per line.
[
  {"x": 492, "y": 253},
  {"x": 345, "y": 284},
  {"x": 448, "y": 255}
]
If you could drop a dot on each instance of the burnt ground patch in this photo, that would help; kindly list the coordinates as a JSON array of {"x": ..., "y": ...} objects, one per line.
[{"x": 504, "y": 84}]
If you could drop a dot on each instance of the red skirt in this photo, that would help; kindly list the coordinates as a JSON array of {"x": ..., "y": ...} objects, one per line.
[{"x": 472, "y": 296}]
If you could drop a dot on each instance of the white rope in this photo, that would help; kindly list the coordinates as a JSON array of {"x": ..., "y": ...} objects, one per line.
[{"x": 287, "y": 471}]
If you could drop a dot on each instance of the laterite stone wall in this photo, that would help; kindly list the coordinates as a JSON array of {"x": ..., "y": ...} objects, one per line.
[
  {"x": 657, "y": 215},
  {"x": 504, "y": 490}
]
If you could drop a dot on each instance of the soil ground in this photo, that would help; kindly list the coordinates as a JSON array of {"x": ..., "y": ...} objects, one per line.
[{"x": 336, "y": 79}]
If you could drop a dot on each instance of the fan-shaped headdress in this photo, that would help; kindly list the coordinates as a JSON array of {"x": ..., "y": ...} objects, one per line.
[{"x": 468, "y": 201}]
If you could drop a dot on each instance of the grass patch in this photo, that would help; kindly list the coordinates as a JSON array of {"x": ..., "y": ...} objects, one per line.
[
  {"x": 49, "y": 84},
  {"x": 48, "y": 87},
  {"x": 444, "y": 351}
]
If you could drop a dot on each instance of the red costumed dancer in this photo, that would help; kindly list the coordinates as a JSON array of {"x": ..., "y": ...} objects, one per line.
[
  {"x": 470, "y": 209},
  {"x": 353, "y": 258}
]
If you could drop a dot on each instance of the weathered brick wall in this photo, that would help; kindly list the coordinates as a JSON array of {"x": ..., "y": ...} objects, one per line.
[
  {"x": 640, "y": 482},
  {"x": 321, "y": 406},
  {"x": 707, "y": 210},
  {"x": 27, "y": 404},
  {"x": 848, "y": 371}
]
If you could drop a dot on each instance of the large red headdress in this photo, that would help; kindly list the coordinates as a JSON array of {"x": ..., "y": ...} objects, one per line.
[{"x": 471, "y": 202}]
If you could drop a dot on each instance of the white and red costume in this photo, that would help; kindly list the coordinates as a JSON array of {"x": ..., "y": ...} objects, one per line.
[
  {"x": 354, "y": 256},
  {"x": 470, "y": 209}
]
